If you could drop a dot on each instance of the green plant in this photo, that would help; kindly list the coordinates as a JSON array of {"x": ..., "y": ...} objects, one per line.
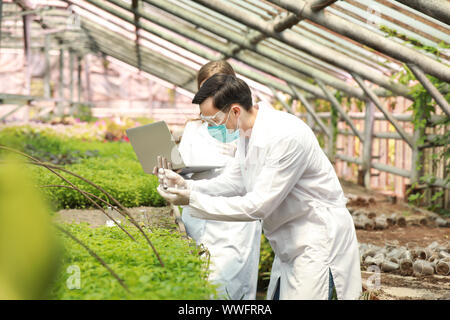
[
  {"x": 84, "y": 113},
  {"x": 183, "y": 277},
  {"x": 423, "y": 108},
  {"x": 265, "y": 263},
  {"x": 112, "y": 165}
]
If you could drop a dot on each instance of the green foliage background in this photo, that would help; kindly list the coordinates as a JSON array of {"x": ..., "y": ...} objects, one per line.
[{"x": 112, "y": 165}]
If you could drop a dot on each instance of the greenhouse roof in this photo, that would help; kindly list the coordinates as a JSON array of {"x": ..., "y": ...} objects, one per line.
[{"x": 297, "y": 47}]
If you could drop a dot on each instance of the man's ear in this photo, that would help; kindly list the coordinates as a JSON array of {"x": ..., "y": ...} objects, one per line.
[{"x": 236, "y": 110}]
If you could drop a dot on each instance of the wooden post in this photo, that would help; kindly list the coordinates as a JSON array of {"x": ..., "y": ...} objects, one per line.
[
  {"x": 332, "y": 145},
  {"x": 47, "y": 89},
  {"x": 432, "y": 90},
  {"x": 26, "y": 19},
  {"x": 337, "y": 106},
  {"x": 61, "y": 83},
  {"x": 367, "y": 145},
  {"x": 386, "y": 113},
  {"x": 416, "y": 159},
  {"x": 79, "y": 84},
  {"x": 71, "y": 104},
  {"x": 87, "y": 71},
  {"x": 71, "y": 56}
]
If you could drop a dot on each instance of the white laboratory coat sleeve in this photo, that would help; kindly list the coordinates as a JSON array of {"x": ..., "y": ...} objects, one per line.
[
  {"x": 228, "y": 184},
  {"x": 284, "y": 163}
]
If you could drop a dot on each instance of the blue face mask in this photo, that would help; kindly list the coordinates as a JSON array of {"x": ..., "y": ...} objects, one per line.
[{"x": 221, "y": 133}]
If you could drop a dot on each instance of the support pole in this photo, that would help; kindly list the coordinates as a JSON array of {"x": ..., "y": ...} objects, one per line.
[
  {"x": 416, "y": 158},
  {"x": 239, "y": 41},
  {"x": 388, "y": 116},
  {"x": 438, "y": 9},
  {"x": 338, "y": 107},
  {"x": 317, "y": 5},
  {"x": 61, "y": 83},
  {"x": 87, "y": 74},
  {"x": 434, "y": 92},
  {"x": 1, "y": 19},
  {"x": 310, "y": 109},
  {"x": 26, "y": 19},
  {"x": 367, "y": 145},
  {"x": 302, "y": 43},
  {"x": 135, "y": 9},
  {"x": 283, "y": 103},
  {"x": 196, "y": 36},
  {"x": 47, "y": 89},
  {"x": 71, "y": 56},
  {"x": 368, "y": 37},
  {"x": 79, "y": 84}
]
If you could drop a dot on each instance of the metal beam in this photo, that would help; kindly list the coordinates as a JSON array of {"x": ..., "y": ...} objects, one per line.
[
  {"x": 338, "y": 107},
  {"x": 256, "y": 61},
  {"x": 1, "y": 19},
  {"x": 390, "y": 169},
  {"x": 121, "y": 48},
  {"x": 278, "y": 24},
  {"x": 283, "y": 103},
  {"x": 312, "y": 112},
  {"x": 347, "y": 158},
  {"x": 367, "y": 37},
  {"x": 438, "y": 9},
  {"x": 47, "y": 89},
  {"x": 79, "y": 84},
  {"x": 191, "y": 34},
  {"x": 210, "y": 56},
  {"x": 61, "y": 82},
  {"x": 367, "y": 146},
  {"x": 299, "y": 96},
  {"x": 134, "y": 8},
  {"x": 388, "y": 116},
  {"x": 434, "y": 92},
  {"x": 317, "y": 5},
  {"x": 297, "y": 41},
  {"x": 26, "y": 20},
  {"x": 241, "y": 42}
]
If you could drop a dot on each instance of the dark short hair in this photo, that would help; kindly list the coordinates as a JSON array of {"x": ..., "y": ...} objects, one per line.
[{"x": 225, "y": 90}]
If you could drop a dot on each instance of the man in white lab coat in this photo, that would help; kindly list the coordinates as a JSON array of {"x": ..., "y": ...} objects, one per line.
[
  {"x": 233, "y": 246},
  {"x": 281, "y": 176}
]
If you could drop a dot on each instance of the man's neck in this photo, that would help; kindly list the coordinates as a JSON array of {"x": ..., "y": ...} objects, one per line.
[{"x": 249, "y": 119}]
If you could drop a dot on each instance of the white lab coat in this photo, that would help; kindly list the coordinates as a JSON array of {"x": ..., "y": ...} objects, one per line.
[
  {"x": 234, "y": 246},
  {"x": 286, "y": 180}
]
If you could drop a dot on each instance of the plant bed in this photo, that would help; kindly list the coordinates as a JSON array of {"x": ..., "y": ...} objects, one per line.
[
  {"x": 182, "y": 277},
  {"x": 112, "y": 165}
]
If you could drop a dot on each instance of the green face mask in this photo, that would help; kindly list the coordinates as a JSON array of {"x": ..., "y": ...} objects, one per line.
[{"x": 222, "y": 134}]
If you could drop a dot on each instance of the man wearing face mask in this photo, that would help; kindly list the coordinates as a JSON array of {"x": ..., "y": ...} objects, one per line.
[
  {"x": 233, "y": 246},
  {"x": 281, "y": 176}
]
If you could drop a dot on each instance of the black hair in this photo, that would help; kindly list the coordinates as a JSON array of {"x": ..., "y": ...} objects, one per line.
[{"x": 225, "y": 90}]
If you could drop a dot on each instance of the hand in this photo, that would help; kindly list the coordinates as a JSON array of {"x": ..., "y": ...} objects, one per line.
[
  {"x": 179, "y": 197},
  {"x": 166, "y": 176}
]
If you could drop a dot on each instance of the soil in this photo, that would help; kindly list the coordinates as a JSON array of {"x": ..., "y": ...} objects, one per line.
[
  {"x": 151, "y": 217},
  {"x": 410, "y": 235},
  {"x": 417, "y": 232}
]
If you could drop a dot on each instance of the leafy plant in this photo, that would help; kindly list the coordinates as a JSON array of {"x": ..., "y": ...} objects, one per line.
[
  {"x": 112, "y": 165},
  {"x": 183, "y": 277},
  {"x": 265, "y": 263},
  {"x": 423, "y": 108}
]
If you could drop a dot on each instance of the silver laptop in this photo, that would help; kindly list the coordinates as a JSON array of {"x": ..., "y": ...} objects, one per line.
[{"x": 153, "y": 140}]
